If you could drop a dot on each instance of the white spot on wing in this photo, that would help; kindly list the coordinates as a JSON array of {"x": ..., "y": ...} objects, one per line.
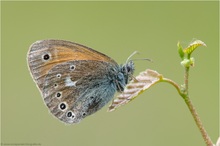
[{"x": 69, "y": 82}]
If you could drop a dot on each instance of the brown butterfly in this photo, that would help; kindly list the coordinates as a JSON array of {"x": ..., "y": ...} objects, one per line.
[{"x": 75, "y": 81}]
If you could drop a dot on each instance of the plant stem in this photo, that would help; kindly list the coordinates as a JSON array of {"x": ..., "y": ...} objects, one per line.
[
  {"x": 172, "y": 83},
  {"x": 186, "y": 81},
  {"x": 192, "y": 109}
]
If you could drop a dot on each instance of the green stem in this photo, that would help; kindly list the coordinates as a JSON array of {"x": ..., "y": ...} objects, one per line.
[
  {"x": 174, "y": 84},
  {"x": 186, "y": 81}
]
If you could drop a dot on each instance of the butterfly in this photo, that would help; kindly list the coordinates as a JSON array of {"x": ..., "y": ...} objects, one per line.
[{"x": 75, "y": 81}]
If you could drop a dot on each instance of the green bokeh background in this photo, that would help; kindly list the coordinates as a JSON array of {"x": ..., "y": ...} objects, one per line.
[{"x": 158, "y": 116}]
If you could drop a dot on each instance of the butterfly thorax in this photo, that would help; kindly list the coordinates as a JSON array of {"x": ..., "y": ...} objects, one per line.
[{"x": 124, "y": 75}]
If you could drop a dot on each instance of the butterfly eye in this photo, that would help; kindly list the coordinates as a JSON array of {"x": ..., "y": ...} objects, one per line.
[
  {"x": 62, "y": 106},
  {"x": 72, "y": 67},
  {"x": 46, "y": 57},
  {"x": 128, "y": 68}
]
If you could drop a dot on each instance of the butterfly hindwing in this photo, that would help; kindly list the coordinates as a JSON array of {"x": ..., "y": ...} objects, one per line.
[{"x": 72, "y": 90}]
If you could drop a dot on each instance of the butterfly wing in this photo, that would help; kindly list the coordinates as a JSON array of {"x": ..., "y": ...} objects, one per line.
[
  {"x": 74, "y": 80},
  {"x": 75, "y": 89},
  {"x": 44, "y": 55}
]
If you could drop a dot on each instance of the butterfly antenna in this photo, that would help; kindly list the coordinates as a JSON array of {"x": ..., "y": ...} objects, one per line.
[
  {"x": 135, "y": 52},
  {"x": 143, "y": 59}
]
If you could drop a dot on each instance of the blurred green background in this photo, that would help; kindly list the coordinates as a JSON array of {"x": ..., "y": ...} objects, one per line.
[{"x": 159, "y": 116}]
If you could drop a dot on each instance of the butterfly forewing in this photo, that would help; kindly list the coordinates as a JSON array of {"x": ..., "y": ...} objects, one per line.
[{"x": 44, "y": 55}]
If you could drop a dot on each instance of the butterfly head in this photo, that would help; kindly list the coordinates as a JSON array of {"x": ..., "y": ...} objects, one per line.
[{"x": 125, "y": 75}]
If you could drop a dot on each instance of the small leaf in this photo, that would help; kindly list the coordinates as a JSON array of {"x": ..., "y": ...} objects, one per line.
[
  {"x": 180, "y": 50},
  {"x": 141, "y": 83},
  {"x": 193, "y": 46}
]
